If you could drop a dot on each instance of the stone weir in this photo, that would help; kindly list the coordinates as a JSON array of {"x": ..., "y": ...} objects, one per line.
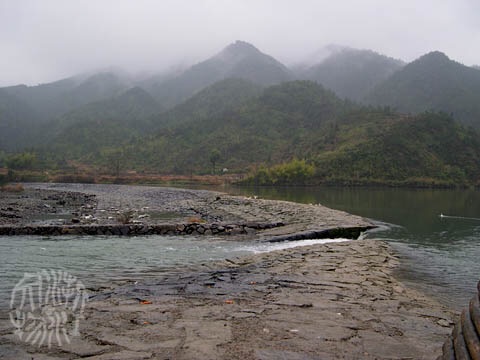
[{"x": 247, "y": 228}]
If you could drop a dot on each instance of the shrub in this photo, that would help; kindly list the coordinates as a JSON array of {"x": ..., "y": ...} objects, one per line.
[{"x": 295, "y": 172}]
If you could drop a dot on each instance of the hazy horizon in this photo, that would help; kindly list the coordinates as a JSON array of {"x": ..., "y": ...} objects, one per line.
[{"x": 53, "y": 39}]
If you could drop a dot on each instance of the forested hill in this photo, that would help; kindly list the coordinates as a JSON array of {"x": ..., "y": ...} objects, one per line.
[
  {"x": 111, "y": 124},
  {"x": 132, "y": 107},
  {"x": 210, "y": 101},
  {"x": 279, "y": 124},
  {"x": 352, "y": 73},
  {"x": 423, "y": 150},
  {"x": 334, "y": 141},
  {"x": 18, "y": 121},
  {"x": 94, "y": 126},
  {"x": 433, "y": 82}
]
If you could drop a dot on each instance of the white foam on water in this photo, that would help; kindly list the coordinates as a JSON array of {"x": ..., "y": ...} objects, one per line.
[{"x": 267, "y": 247}]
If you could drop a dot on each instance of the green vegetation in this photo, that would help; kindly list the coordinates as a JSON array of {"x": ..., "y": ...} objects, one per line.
[
  {"x": 214, "y": 157},
  {"x": 339, "y": 142},
  {"x": 297, "y": 172},
  {"x": 229, "y": 115},
  {"x": 280, "y": 124},
  {"x": 109, "y": 123},
  {"x": 21, "y": 161},
  {"x": 427, "y": 150},
  {"x": 433, "y": 82}
]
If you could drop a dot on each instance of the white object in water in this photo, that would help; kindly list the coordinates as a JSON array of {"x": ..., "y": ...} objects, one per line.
[{"x": 458, "y": 217}]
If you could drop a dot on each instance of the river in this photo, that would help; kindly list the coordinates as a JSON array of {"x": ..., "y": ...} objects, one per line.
[{"x": 440, "y": 255}]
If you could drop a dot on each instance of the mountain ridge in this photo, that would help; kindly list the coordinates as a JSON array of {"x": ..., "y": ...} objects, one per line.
[
  {"x": 352, "y": 73},
  {"x": 237, "y": 60},
  {"x": 432, "y": 82}
]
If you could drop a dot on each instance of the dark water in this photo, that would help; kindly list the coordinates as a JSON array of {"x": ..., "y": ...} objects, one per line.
[{"x": 440, "y": 255}]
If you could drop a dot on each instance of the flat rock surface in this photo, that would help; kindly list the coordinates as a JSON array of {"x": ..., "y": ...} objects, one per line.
[
  {"x": 331, "y": 301},
  {"x": 104, "y": 204}
]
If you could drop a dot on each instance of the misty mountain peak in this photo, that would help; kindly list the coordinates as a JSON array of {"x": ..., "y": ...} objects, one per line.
[
  {"x": 432, "y": 63},
  {"x": 241, "y": 46},
  {"x": 434, "y": 56},
  {"x": 238, "y": 51},
  {"x": 238, "y": 60},
  {"x": 349, "y": 72}
]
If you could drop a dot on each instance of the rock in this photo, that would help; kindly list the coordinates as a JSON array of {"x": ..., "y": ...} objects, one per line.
[{"x": 444, "y": 323}]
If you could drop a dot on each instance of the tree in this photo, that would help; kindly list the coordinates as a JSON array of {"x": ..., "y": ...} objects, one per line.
[
  {"x": 115, "y": 159},
  {"x": 21, "y": 161},
  {"x": 214, "y": 157}
]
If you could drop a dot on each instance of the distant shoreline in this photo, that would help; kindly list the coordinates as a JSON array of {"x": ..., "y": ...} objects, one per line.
[{"x": 161, "y": 180}]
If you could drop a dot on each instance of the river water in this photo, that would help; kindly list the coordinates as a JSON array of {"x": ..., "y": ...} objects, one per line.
[
  {"x": 439, "y": 255},
  {"x": 105, "y": 261}
]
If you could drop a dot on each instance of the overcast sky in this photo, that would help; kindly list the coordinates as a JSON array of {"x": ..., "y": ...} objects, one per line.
[{"x": 45, "y": 40}]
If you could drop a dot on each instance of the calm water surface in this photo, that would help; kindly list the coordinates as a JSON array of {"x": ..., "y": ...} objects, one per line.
[{"x": 440, "y": 255}]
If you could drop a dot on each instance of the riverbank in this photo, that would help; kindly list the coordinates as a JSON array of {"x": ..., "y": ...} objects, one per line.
[{"x": 331, "y": 301}]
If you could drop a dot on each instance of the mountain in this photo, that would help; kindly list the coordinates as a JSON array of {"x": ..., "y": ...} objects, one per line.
[
  {"x": 132, "y": 105},
  {"x": 282, "y": 122},
  {"x": 97, "y": 87},
  {"x": 101, "y": 124},
  {"x": 350, "y": 73},
  {"x": 433, "y": 82},
  {"x": 422, "y": 150},
  {"x": 477, "y": 67},
  {"x": 17, "y": 120},
  {"x": 107, "y": 126},
  {"x": 291, "y": 133},
  {"x": 53, "y": 99},
  {"x": 238, "y": 60},
  {"x": 209, "y": 102},
  {"x": 342, "y": 142},
  {"x": 27, "y": 112}
]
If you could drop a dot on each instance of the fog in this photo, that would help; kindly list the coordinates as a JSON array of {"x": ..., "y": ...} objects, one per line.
[{"x": 42, "y": 41}]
